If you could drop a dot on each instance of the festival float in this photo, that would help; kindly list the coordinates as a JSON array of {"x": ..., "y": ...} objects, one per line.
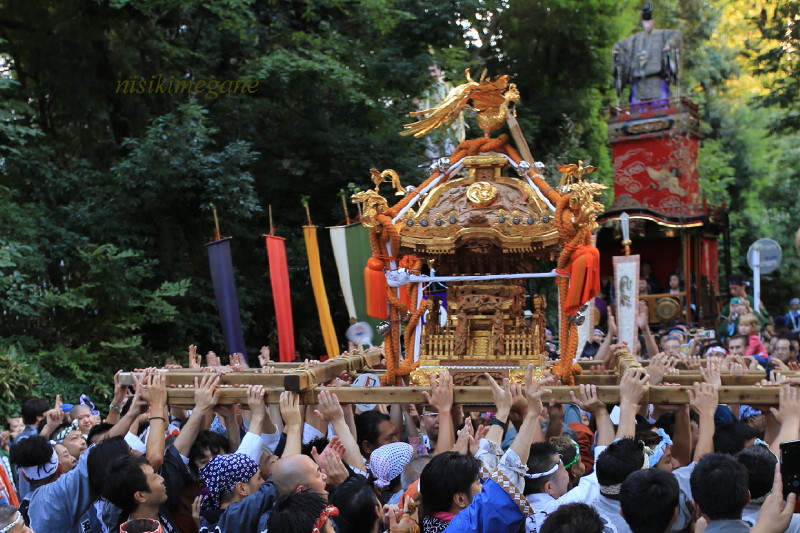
[
  {"x": 659, "y": 211},
  {"x": 482, "y": 222}
]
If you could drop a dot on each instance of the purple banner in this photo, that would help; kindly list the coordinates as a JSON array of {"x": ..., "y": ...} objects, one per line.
[{"x": 219, "y": 259}]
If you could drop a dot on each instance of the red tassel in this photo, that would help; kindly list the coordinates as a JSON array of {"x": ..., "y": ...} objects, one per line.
[
  {"x": 584, "y": 281},
  {"x": 375, "y": 286}
]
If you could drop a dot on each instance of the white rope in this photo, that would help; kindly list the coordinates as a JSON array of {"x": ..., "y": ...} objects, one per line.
[
  {"x": 398, "y": 278},
  {"x": 454, "y": 169},
  {"x": 530, "y": 182}
]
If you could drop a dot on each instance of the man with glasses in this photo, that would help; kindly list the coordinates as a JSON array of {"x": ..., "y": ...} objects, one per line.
[{"x": 429, "y": 427}]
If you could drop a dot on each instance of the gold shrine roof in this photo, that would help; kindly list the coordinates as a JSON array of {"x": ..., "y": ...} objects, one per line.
[{"x": 485, "y": 211}]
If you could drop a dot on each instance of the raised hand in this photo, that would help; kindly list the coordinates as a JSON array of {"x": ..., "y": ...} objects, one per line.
[
  {"x": 406, "y": 522},
  {"x": 480, "y": 433},
  {"x": 503, "y": 398},
  {"x": 703, "y": 399},
  {"x": 588, "y": 400},
  {"x": 195, "y": 360},
  {"x": 336, "y": 446},
  {"x": 711, "y": 373},
  {"x": 235, "y": 359},
  {"x": 612, "y": 324},
  {"x": 441, "y": 395},
  {"x": 331, "y": 465},
  {"x": 196, "y": 504},
  {"x": 290, "y": 408},
  {"x": 212, "y": 359},
  {"x": 120, "y": 392},
  {"x": 633, "y": 386},
  {"x": 263, "y": 356},
  {"x": 463, "y": 441},
  {"x": 206, "y": 392},
  {"x": 255, "y": 399},
  {"x": 660, "y": 365},
  {"x": 642, "y": 316},
  {"x": 329, "y": 408},
  {"x": 691, "y": 362},
  {"x": 535, "y": 389},
  {"x": 155, "y": 390},
  {"x": 788, "y": 404},
  {"x": 776, "y": 513}
]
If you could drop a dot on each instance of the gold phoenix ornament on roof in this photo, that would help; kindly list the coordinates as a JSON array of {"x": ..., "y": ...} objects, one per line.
[
  {"x": 573, "y": 173},
  {"x": 394, "y": 179},
  {"x": 489, "y": 98}
]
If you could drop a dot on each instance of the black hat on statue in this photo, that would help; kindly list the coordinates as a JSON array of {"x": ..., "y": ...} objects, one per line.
[{"x": 647, "y": 11}]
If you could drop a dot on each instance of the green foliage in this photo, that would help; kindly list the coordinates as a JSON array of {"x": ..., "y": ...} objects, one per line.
[
  {"x": 559, "y": 54},
  {"x": 105, "y": 197}
]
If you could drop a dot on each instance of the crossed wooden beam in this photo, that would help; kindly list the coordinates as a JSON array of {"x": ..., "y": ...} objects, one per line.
[{"x": 308, "y": 383}]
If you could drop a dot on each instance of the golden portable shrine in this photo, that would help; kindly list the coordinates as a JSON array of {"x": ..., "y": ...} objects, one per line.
[{"x": 482, "y": 230}]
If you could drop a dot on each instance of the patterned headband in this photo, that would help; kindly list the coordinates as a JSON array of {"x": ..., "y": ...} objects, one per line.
[
  {"x": 326, "y": 513},
  {"x": 10, "y": 526},
  {"x": 42, "y": 471}
]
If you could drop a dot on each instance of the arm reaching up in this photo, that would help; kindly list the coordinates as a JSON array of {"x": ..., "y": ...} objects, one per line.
[
  {"x": 331, "y": 411},
  {"x": 502, "y": 401},
  {"x": 704, "y": 399},
  {"x": 788, "y": 414},
  {"x": 776, "y": 513},
  {"x": 206, "y": 395},
  {"x": 156, "y": 394},
  {"x": 632, "y": 388},
  {"x": 530, "y": 431},
  {"x": 441, "y": 397},
  {"x": 589, "y": 401},
  {"x": 293, "y": 419}
]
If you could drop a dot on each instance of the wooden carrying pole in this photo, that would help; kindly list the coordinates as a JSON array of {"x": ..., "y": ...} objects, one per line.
[{"x": 483, "y": 395}]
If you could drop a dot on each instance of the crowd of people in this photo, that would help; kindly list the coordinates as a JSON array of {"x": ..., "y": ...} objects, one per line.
[
  {"x": 746, "y": 331},
  {"x": 525, "y": 463}
]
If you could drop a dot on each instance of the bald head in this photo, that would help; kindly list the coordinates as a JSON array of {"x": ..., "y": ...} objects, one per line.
[{"x": 298, "y": 472}]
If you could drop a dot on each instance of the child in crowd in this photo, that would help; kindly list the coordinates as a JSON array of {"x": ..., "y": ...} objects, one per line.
[{"x": 750, "y": 328}]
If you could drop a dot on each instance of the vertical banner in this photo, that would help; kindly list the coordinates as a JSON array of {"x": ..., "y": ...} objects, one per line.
[
  {"x": 318, "y": 284},
  {"x": 339, "y": 243},
  {"x": 626, "y": 284},
  {"x": 219, "y": 260},
  {"x": 585, "y": 328},
  {"x": 281, "y": 296},
  {"x": 351, "y": 250}
]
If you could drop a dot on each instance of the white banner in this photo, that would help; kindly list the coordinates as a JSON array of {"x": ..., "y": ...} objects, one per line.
[
  {"x": 626, "y": 289},
  {"x": 585, "y": 329}
]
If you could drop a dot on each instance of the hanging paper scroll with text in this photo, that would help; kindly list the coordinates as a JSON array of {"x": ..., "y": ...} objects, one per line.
[{"x": 626, "y": 288}]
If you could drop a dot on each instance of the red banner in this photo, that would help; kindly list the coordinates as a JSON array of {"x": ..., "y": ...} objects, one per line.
[
  {"x": 281, "y": 295},
  {"x": 659, "y": 173}
]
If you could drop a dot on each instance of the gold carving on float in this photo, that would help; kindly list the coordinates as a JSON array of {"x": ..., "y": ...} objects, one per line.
[
  {"x": 489, "y": 98},
  {"x": 372, "y": 204},
  {"x": 481, "y": 193},
  {"x": 394, "y": 179}
]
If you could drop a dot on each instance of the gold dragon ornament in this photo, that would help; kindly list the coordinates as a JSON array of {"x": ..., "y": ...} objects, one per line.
[
  {"x": 489, "y": 98},
  {"x": 576, "y": 220}
]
